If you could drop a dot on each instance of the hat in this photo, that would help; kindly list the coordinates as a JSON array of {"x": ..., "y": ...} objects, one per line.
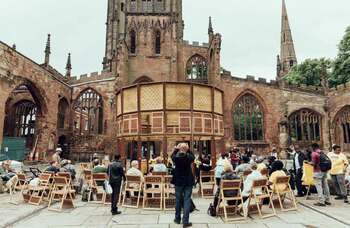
[
  {"x": 59, "y": 149},
  {"x": 64, "y": 162}
]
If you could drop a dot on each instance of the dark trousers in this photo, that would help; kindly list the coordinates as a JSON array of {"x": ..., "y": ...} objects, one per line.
[
  {"x": 183, "y": 198},
  {"x": 298, "y": 181},
  {"x": 115, "y": 196}
]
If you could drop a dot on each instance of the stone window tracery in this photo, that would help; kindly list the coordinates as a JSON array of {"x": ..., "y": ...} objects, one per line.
[
  {"x": 248, "y": 119},
  {"x": 25, "y": 116},
  {"x": 197, "y": 68},
  {"x": 305, "y": 125},
  {"x": 88, "y": 109}
]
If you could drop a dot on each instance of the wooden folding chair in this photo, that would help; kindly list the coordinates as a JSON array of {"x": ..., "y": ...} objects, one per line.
[
  {"x": 159, "y": 173},
  {"x": 61, "y": 193},
  {"x": 245, "y": 174},
  {"x": 207, "y": 184},
  {"x": 87, "y": 176},
  {"x": 265, "y": 172},
  {"x": 285, "y": 193},
  {"x": 232, "y": 186},
  {"x": 98, "y": 180},
  {"x": 22, "y": 182},
  {"x": 169, "y": 199},
  {"x": 133, "y": 184},
  {"x": 38, "y": 192},
  {"x": 261, "y": 186},
  {"x": 69, "y": 178},
  {"x": 156, "y": 193}
]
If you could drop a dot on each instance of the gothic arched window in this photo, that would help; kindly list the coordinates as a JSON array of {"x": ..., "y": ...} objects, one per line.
[
  {"x": 88, "y": 109},
  {"x": 197, "y": 68},
  {"x": 305, "y": 125},
  {"x": 158, "y": 44},
  {"x": 132, "y": 42},
  {"x": 342, "y": 126},
  {"x": 25, "y": 116},
  {"x": 133, "y": 6},
  {"x": 248, "y": 119}
]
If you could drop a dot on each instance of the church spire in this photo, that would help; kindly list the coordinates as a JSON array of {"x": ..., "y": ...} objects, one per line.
[
  {"x": 210, "y": 27},
  {"x": 68, "y": 66},
  {"x": 48, "y": 50},
  {"x": 287, "y": 56}
]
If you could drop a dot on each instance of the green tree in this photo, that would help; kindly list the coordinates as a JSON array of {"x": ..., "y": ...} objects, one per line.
[
  {"x": 341, "y": 70},
  {"x": 310, "y": 72}
]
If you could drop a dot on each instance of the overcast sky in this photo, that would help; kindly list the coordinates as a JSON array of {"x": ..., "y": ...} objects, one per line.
[{"x": 250, "y": 30}]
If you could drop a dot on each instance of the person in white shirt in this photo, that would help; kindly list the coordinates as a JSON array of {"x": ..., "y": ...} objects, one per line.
[
  {"x": 248, "y": 183},
  {"x": 134, "y": 171},
  {"x": 160, "y": 166},
  {"x": 219, "y": 169}
]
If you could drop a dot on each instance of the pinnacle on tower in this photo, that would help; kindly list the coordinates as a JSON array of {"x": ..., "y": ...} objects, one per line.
[
  {"x": 48, "y": 50},
  {"x": 210, "y": 27},
  {"x": 68, "y": 66},
  {"x": 287, "y": 56}
]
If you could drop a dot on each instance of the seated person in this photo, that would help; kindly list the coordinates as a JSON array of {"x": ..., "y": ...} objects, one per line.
[
  {"x": 260, "y": 164},
  {"x": 277, "y": 173},
  {"x": 98, "y": 167},
  {"x": 159, "y": 166},
  {"x": 248, "y": 183},
  {"x": 205, "y": 164},
  {"x": 134, "y": 171},
  {"x": 8, "y": 176},
  {"x": 245, "y": 166},
  {"x": 228, "y": 174},
  {"x": 53, "y": 168},
  {"x": 66, "y": 166}
]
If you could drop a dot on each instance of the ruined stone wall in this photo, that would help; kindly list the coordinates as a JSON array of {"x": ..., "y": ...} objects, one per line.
[
  {"x": 46, "y": 89},
  {"x": 276, "y": 103}
]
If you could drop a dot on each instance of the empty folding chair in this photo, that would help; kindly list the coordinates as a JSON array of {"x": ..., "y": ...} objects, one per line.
[
  {"x": 207, "y": 184},
  {"x": 151, "y": 193},
  {"x": 61, "y": 193},
  {"x": 169, "y": 199}
]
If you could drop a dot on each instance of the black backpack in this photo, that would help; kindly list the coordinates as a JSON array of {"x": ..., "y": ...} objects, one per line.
[
  {"x": 325, "y": 162},
  {"x": 211, "y": 210}
]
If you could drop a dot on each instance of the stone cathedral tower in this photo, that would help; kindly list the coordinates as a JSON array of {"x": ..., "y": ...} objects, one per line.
[{"x": 145, "y": 35}]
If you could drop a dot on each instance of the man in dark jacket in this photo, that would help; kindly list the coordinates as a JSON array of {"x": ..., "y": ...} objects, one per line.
[
  {"x": 183, "y": 180},
  {"x": 116, "y": 175},
  {"x": 298, "y": 161}
]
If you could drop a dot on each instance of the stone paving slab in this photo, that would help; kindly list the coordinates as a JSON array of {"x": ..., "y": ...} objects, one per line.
[{"x": 98, "y": 215}]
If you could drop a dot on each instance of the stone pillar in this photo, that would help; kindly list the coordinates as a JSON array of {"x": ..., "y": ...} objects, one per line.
[
  {"x": 326, "y": 133},
  {"x": 2, "y": 119}
]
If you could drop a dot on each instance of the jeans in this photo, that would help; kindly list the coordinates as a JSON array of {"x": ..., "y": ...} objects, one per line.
[
  {"x": 322, "y": 187},
  {"x": 183, "y": 198},
  {"x": 115, "y": 196},
  {"x": 339, "y": 184}
]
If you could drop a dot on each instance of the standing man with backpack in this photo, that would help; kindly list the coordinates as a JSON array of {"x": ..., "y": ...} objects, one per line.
[{"x": 322, "y": 164}]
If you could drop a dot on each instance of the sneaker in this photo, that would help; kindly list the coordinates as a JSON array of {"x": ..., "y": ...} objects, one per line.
[
  {"x": 320, "y": 204},
  {"x": 177, "y": 221},
  {"x": 328, "y": 203},
  {"x": 187, "y": 225}
]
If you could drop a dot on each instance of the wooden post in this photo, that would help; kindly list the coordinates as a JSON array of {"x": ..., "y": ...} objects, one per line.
[{"x": 213, "y": 151}]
